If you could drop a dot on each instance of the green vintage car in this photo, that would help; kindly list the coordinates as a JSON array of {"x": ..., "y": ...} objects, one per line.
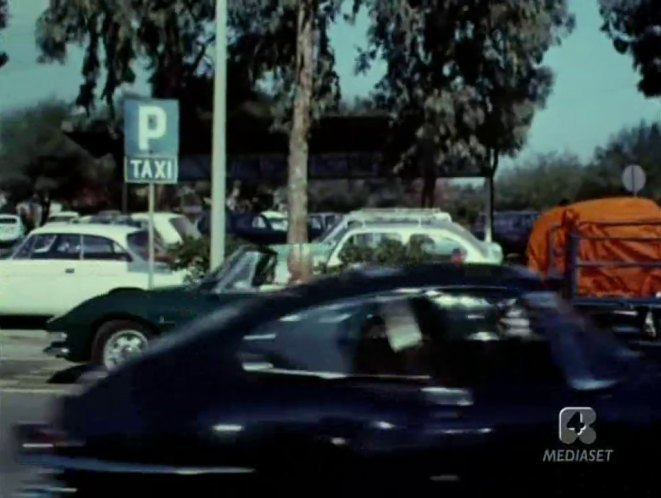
[{"x": 108, "y": 329}]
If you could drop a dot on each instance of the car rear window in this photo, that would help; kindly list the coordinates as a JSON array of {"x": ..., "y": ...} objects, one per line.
[{"x": 6, "y": 220}]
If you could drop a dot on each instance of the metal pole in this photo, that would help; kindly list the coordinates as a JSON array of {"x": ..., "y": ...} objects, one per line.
[
  {"x": 218, "y": 157},
  {"x": 152, "y": 196},
  {"x": 488, "y": 211}
]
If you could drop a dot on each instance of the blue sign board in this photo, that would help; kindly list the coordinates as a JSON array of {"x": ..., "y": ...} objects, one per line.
[{"x": 151, "y": 141}]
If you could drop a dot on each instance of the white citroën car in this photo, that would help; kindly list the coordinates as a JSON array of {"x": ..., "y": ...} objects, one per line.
[{"x": 58, "y": 267}]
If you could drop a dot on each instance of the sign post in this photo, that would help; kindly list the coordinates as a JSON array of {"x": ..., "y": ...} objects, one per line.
[
  {"x": 218, "y": 148},
  {"x": 633, "y": 179},
  {"x": 151, "y": 149}
]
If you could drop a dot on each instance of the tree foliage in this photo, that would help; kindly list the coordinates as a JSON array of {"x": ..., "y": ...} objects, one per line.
[
  {"x": 37, "y": 156},
  {"x": 174, "y": 40},
  {"x": 192, "y": 256},
  {"x": 170, "y": 38},
  {"x": 470, "y": 73},
  {"x": 4, "y": 14},
  {"x": 540, "y": 182},
  {"x": 544, "y": 180},
  {"x": 635, "y": 29},
  {"x": 640, "y": 145}
]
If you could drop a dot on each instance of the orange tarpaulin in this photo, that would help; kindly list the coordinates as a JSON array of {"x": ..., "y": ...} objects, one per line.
[
  {"x": 618, "y": 240},
  {"x": 538, "y": 243}
]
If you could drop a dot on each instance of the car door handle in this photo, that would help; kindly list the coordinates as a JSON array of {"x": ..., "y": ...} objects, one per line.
[{"x": 69, "y": 270}]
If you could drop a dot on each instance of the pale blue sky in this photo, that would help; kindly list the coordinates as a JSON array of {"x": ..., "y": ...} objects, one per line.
[{"x": 594, "y": 96}]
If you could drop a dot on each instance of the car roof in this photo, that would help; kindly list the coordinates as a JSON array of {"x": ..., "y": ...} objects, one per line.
[
  {"x": 112, "y": 231},
  {"x": 160, "y": 214},
  {"x": 12, "y": 216},
  {"x": 395, "y": 226},
  {"x": 371, "y": 280}
]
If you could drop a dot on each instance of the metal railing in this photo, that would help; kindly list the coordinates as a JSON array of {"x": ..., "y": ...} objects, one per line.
[{"x": 574, "y": 264}]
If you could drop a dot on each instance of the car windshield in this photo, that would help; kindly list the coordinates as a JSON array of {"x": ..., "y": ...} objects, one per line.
[
  {"x": 8, "y": 220},
  {"x": 591, "y": 357},
  {"x": 243, "y": 270},
  {"x": 216, "y": 275}
]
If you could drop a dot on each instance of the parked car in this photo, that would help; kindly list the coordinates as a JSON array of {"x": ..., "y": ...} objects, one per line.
[
  {"x": 62, "y": 217},
  {"x": 389, "y": 215},
  {"x": 443, "y": 238},
  {"x": 113, "y": 327},
  {"x": 173, "y": 228},
  {"x": 112, "y": 218},
  {"x": 59, "y": 266},
  {"x": 265, "y": 228},
  {"x": 12, "y": 230},
  {"x": 511, "y": 229},
  {"x": 320, "y": 222},
  {"x": 353, "y": 383}
]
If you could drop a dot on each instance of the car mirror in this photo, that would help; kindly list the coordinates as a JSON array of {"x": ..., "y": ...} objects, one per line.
[{"x": 444, "y": 396}]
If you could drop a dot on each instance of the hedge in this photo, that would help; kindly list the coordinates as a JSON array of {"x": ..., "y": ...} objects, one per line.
[{"x": 193, "y": 256}]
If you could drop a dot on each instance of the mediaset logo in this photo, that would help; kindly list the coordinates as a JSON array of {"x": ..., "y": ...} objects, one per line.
[{"x": 577, "y": 424}]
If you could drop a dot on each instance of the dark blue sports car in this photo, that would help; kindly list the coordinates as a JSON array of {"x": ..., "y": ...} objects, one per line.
[{"x": 436, "y": 378}]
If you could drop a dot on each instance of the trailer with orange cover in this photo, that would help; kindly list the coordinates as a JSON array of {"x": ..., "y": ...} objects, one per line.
[{"x": 606, "y": 252}]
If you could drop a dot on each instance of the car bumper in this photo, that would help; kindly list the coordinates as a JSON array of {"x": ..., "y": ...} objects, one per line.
[{"x": 57, "y": 351}]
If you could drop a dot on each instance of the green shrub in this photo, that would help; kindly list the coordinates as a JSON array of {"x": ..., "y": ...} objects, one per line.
[
  {"x": 193, "y": 255},
  {"x": 388, "y": 253}
]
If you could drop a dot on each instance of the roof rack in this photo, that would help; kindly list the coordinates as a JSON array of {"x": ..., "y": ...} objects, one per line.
[{"x": 402, "y": 214}]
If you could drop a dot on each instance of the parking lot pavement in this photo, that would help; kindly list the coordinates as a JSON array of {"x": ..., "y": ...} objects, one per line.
[
  {"x": 24, "y": 367},
  {"x": 30, "y": 381},
  {"x": 14, "y": 408}
]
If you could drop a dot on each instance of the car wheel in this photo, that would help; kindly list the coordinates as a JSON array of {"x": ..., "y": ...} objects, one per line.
[{"x": 119, "y": 340}]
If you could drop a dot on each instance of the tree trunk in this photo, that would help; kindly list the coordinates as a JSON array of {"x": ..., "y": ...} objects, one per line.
[{"x": 297, "y": 187}]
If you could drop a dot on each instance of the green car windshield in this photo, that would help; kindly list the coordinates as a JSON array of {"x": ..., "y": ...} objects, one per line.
[{"x": 245, "y": 268}]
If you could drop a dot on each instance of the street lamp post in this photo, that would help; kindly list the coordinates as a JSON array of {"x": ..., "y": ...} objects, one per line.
[{"x": 219, "y": 151}]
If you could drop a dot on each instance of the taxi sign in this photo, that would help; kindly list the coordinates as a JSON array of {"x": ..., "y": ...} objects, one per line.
[{"x": 151, "y": 140}]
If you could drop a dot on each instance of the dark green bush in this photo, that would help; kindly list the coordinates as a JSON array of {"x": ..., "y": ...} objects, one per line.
[{"x": 192, "y": 256}]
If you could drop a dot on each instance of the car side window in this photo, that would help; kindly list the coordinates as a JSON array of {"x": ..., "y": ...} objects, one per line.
[
  {"x": 25, "y": 249},
  {"x": 67, "y": 246},
  {"x": 54, "y": 246},
  {"x": 102, "y": 249},
  {"x": 372, "y": 240},
  {"x": 443, "y": 247},
  {"x": 482, "y": 339},
  {"x": 374, "y": 337}
]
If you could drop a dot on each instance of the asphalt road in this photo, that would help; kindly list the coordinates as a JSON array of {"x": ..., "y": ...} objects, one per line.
[{"x": 30, "y": 383}]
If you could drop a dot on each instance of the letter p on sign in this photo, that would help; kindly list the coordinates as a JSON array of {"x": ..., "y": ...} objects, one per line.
[
  {"x": 151, "y": 128},
  {"x": 152, "y": 125}
]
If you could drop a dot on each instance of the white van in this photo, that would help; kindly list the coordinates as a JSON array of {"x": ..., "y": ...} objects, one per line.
[{"x": 388, "y": 215}]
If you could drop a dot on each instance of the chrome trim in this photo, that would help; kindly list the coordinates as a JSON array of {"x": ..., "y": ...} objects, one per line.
[
  {"x": 448, "y": 396},
  {"x": 57, "y": 351},
  {"x": 95, "y": 465}
]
